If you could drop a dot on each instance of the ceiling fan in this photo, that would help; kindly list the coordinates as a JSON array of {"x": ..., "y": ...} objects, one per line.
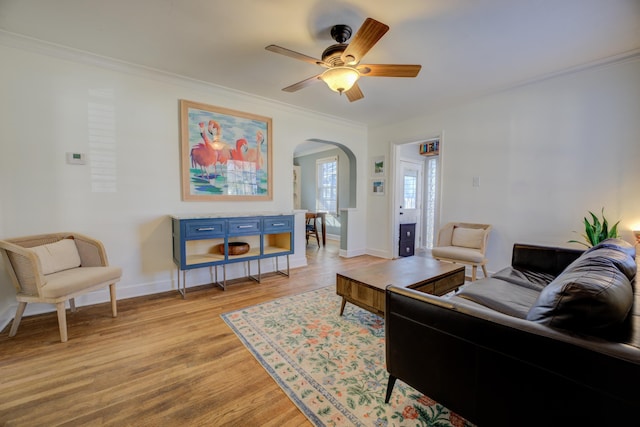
[{"x": 342, "y": 60}]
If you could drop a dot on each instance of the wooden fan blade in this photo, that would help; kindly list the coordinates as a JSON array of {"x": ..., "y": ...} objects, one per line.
[
  {"x": 296, "y": 55},
  {"x": 389, "y": 70},
  {"x": 354, "y": 93},
  {"x": 368, "y": 35},
  {"x": 301, "y": 85}
]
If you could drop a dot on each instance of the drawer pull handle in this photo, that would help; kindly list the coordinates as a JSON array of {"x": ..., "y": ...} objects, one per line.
[
  {"x": 279, "y": 224},
  {"x": 206, "y": 229},
  {"x": 245, "y": 226}
]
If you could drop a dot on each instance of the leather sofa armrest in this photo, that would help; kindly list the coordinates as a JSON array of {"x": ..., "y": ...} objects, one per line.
[{"x": 545, "y": 259}]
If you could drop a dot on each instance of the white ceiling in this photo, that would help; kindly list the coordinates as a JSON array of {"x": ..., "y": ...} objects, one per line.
[{"x": 466, "y": 48}]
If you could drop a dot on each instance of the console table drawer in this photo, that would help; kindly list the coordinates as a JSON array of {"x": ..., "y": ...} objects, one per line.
[
  {"x": 277, "y": 224},
  {"x": 204, "y": 228},
  {"x": 244, "y": 226}
]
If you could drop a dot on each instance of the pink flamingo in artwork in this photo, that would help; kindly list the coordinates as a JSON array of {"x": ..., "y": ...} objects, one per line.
[
  {"x": 204, "y": 154},
  {"x": 237, "y": 153},
  {"x": 255, "y": 154},
  {"x": 223, "y": 150}
]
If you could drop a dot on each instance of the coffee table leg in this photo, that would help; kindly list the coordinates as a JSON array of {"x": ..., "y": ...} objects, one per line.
[{"x": 344, "y": 302}]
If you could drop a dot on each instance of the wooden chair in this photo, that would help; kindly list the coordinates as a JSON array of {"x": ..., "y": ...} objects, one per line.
[
  {"x": 463, "y": 243},
  {"x": 54, "y": 268},
  {"x": 311, "y": 228}
]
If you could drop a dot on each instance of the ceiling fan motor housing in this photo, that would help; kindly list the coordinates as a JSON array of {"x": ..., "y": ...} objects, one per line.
[{"x": 333, "y": 54}]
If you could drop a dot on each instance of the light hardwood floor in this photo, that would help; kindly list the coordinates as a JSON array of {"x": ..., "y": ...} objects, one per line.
[{"x": 163, "y": 361}]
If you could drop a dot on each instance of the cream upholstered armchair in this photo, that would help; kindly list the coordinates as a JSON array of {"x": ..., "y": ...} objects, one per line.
[
  {"x": 54, "y": 268},
  {"x": 463, "y": 243}
]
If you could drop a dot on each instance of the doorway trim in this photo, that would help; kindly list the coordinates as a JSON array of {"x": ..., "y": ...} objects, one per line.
[{"x": 394, "y": 231}]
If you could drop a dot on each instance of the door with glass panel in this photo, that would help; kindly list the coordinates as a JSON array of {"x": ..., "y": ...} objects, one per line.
[{"x": 409, "y": 196}]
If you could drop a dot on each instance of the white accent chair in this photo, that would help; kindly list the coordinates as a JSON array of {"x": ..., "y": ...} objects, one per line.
[
  {"x": 463, "y": 243},
  {"x": 54, "y": 268}
]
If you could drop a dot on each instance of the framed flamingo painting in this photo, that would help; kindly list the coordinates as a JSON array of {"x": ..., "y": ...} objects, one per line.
[{"x": 226, "y": 154}]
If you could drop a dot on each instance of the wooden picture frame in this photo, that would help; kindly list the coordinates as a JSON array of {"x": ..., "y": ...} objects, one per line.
[{"x": 226, "y": 154}]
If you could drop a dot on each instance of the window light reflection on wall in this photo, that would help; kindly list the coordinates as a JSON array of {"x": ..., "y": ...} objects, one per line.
[{"x": 102, "y": 140}]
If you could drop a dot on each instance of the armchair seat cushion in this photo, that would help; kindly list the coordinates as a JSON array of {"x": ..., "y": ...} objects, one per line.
[
  {"x": 68, "y": 282},
  {"x": 458, "y": 253}
]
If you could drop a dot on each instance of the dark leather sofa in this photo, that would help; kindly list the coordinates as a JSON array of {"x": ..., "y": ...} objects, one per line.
[{"x": 554, "y": 339}]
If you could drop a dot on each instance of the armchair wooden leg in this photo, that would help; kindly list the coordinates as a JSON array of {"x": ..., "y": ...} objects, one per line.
[
  {"x": 62, "y": 320},
  {"x": 474, "y": 271},
  {"x": 484, "y": 270},
  {"x": 16, "y": 320},
  {"x": 72, "y": 304},
  {"x": 112, "y": 293}
]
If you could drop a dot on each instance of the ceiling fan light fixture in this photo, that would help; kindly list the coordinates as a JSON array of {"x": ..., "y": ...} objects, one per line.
[{"x": 340, "y": 79}]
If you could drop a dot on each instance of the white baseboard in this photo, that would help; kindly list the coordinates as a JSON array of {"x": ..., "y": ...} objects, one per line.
[
  {"x": 195, "y": 277},
  {"x": 379, "y": 253},
  {"x": 348, "y": 254}
]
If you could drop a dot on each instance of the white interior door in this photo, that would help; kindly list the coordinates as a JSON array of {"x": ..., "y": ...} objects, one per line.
[{"x": 408, "y": 192}]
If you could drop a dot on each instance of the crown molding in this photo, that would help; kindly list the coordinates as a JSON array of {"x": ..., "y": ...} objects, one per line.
[{"x": 30, "y": 44}]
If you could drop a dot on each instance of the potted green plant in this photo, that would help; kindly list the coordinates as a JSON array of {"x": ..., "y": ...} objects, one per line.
[{"x": 597, "y": 231}]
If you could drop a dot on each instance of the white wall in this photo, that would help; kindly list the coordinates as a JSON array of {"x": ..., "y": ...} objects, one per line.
[
  {"x": 45, "y": 95},
  {"x": 545, "y": 153}
]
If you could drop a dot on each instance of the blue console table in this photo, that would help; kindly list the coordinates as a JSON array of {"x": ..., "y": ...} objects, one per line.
[{"x": 203, "y": 241}]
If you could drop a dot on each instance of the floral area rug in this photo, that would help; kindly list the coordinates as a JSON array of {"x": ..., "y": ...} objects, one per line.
[{"x": 332, "y": 367}]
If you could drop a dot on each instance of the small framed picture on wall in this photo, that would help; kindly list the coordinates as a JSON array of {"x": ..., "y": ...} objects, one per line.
[
  {"x": 377, "y": 186},
  {"x": 378, "y": 166}
]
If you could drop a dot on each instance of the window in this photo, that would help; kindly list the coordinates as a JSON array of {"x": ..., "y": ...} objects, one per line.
[
  {"x": 327, "y": 185},
  {"x": 410, "y": 191},
  {"x": 432, "y": 197}
]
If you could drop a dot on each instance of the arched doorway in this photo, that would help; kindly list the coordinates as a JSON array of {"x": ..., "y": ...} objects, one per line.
[{"x": 307, "y": 155}]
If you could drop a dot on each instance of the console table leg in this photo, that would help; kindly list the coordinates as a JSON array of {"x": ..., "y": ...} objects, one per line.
[
  {"x": 254, "y": 278},
  {"x": 287, "y": 265},
  {"x": 278, "y": 267},
  {"x": 224, "y": 276},
  {"x": 217, "y": 282},
  {"x": 183, "y": 291}
]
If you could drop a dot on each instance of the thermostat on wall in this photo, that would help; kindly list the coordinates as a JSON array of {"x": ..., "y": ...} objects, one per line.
[{"x": 76, "y": 158}]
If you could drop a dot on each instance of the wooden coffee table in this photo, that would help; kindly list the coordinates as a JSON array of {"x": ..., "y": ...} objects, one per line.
[{"x": 365, "y": 286}]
